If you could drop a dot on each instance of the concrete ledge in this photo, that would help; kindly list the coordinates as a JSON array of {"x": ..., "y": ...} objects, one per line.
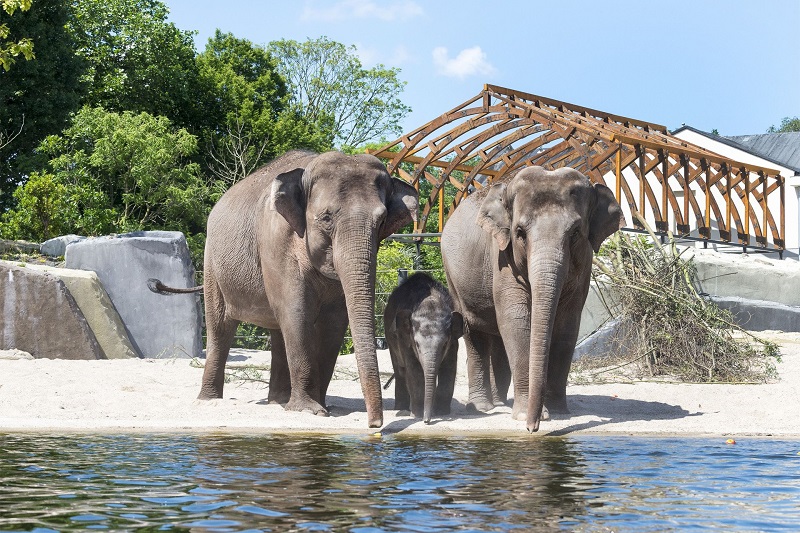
[
  {"x": 40, "y": 316},
  {"x": 100, "y": 313},
  {"x": 760, "y": 315}
]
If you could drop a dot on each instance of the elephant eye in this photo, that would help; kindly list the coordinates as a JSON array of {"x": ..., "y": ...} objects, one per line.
[{"x": 521, "y": 233}]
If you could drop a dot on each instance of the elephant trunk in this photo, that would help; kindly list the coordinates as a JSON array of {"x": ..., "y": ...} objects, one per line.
[
  {"x": 546, "y": 271},
  {"x": 356, "y": 267},
  {"x": 429, "y": 369}
]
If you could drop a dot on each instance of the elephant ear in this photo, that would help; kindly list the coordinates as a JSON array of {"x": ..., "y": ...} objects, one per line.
[
  {"x": 402, "y": 322},
  {"x": 288, "y": 199},
  {"x": 401, "y": 207},
  {"x": 494, "y": 215},
  {"x": 456, "y": 326},
  {"x": 606, "y": 217}
]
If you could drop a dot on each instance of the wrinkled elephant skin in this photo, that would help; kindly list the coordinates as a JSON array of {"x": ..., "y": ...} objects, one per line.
[
  {"x": 292, "y": 248},
  {"x": 518, "y": 259}
]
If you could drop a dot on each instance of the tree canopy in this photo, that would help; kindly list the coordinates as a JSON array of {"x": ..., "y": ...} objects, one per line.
[
  {"x": 11, "y": 48},
  {"x": 331, "y": 88},
  {"x": 119, "y": 124},
  {"x": 37, "y": 96},
  {"x": 788, "y": 124}
]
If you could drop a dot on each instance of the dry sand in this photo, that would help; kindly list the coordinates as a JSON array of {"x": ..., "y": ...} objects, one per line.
[{"x": 159, "y": 395}]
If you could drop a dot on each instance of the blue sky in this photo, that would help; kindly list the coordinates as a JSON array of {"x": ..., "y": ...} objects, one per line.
[{"x": 727, "y": 64}]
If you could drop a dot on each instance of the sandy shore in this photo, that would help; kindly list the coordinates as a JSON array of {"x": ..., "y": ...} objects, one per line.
[{"x": 159, "y": 395}]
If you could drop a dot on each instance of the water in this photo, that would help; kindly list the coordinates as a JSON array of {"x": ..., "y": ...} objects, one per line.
[{"x": 372, "y": 484}]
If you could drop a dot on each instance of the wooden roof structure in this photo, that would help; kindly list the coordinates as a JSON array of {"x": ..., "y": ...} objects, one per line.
[{"x": 501, "y": 130}]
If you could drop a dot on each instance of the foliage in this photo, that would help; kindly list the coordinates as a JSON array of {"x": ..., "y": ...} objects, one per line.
[
  {"x": 788, "y": 124},
  {"x": 247, "y": 121},
  {"x": 37, "y": 96},
  {"x": 332, "y": 90},
  {"x": 115, "y": 173},
  {"x": 9, "y": 49},
  {"x": 40, "y": 203},
  {"x": 665, "y": 328},
  {"x": 137, "y": 61}
]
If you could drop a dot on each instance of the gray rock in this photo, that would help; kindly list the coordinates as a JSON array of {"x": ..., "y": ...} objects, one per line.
[
  {"x": 57, "y": 246},
  {"x": 158, "y": 326},
  {"x": 40, "y": 316},
  {"x": 760, "y": 315}
]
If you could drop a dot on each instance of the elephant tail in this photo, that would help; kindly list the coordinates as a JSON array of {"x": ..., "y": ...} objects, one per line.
[{"x": 157, "y": 287}]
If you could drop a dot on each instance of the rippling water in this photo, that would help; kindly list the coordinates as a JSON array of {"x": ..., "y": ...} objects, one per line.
[{"x": 371, "y": 484}]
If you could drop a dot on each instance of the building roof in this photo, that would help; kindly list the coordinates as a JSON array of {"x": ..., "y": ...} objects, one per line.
[
  {"x": 783, "y": 148},
  {"x": 779, "y": 148}
]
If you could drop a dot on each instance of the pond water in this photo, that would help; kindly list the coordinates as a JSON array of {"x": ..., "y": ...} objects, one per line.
[{"x": 371, "y": 484}]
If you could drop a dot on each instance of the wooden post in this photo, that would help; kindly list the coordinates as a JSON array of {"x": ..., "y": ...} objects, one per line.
[
  {"x": 707, "y": 220},
  {"x": 641, "y": 206},
  {"x": 746, "y": 177},
  {"x": 619, "y": 175},
  {"x": 664, "y": 189},
  {"x": 441, "y": 209},
  {"x": 728, "y": 200},
  {"x": 764, "y": 208}
]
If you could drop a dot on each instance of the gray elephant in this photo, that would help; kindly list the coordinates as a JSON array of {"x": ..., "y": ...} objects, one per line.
[
  {"x": 292, "y": 248},
  {"x": 518, "y": 258},
  {"x": 422, "y": 331}
]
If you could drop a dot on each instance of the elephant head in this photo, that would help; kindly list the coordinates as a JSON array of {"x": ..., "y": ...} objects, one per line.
[
  {"x": 546, "y": 225},
  {"x": 343, "y": 206}
]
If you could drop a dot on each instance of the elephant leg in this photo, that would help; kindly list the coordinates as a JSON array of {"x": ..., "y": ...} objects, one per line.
[
  {"x": 446, "y": 381},
  {"x": 402, "y": 400},
  {"x": 478, "y": 345},
  {"x": 331, "y": 328},
  {"x": 280, "y": 385},
  {"x": 501, "y": 373},
  {"x": 302, "y": 354},
  {"x": 220, "y": 331},
  {"x": 514, "y": 322},
  {"x": 415, "y": 381},
  {"x": 565, "y": 336}
]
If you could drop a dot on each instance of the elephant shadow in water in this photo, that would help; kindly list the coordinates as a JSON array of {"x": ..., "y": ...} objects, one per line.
[{"x": 614, "y": 410}]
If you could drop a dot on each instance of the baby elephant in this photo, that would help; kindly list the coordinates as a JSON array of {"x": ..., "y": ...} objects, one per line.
[{"x": 422, "y": 331}]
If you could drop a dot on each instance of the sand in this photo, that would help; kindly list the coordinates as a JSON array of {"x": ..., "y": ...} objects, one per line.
[{"x": 152, "y": 395}]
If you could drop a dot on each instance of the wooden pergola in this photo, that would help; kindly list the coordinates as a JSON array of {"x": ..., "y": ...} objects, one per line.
[{"x": 676, "y": 185}]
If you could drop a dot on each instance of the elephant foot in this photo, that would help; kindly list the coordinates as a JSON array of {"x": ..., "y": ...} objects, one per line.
[
  {"x": 557, "y": 405},
  {"x": 403, "y": 412},
  {"x": 482, "y": 405},
  {"x": 209, "y": 394},
  {"x": 279, "y": 397},
  {"x": 306, "y": 406}
]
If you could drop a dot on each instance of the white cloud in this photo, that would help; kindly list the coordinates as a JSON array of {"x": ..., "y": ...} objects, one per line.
[
  {"x": 363, "y": 9},
  {"x": 468, "y": 62}
]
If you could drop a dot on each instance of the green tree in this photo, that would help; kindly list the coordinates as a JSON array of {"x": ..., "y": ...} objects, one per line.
[
  {"x": 137, "y": 61},
  {"x": 788, "y": 124},
  {"x": 248, "y": 120},
  {"x": 40, "y": 203},
  {"x": 331, "y": 88},
  {"x": 116, "y": 172},
  {"x": 38, "y": 96},
  {"x": 9, "y": 49}
]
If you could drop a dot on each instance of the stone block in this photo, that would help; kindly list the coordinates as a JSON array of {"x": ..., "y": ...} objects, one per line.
[
  {"x": 40, "y": 316},
  {"x": 101, "y": 315},
  {"x": 158, "y": 326},
  {"x": 57, "y": 246}
]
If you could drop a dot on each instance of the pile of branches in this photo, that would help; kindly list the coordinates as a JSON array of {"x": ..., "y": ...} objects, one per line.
[{"x": 665, "y": 328}]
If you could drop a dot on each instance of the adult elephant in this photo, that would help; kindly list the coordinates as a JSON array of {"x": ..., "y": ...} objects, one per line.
[
  {"x": 518, "y": 258},
  {"x": 292, "y": 248}
]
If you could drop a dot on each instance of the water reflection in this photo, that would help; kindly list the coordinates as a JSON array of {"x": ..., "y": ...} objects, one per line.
[{"x": 288, "y": 483}]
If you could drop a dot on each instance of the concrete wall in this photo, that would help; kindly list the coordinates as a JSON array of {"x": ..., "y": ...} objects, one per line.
[
  {"x": 763, "y": 293},
  {"x": 158, "y": 326}
]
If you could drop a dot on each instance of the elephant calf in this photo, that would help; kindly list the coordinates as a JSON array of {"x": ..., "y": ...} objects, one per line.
[{"x": 423, "y": 331}]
